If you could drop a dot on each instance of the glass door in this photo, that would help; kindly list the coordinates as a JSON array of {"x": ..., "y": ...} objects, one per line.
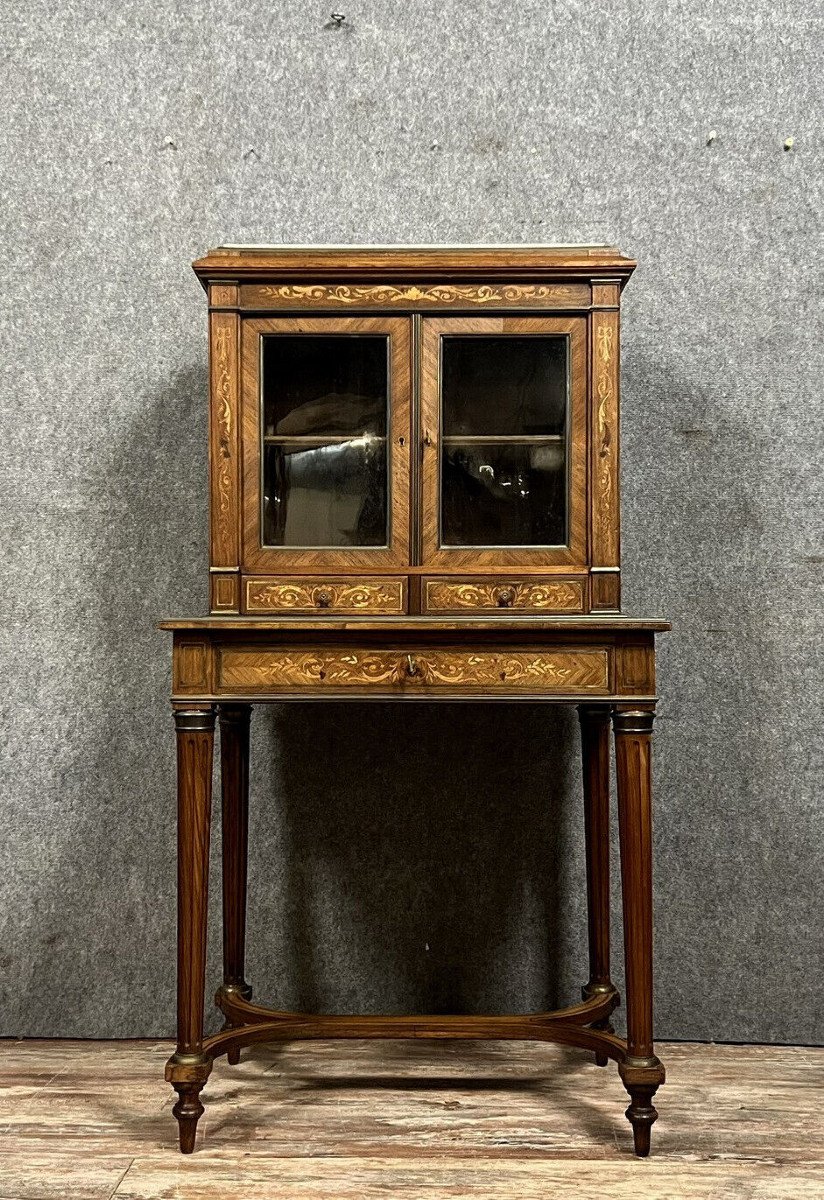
[
  {"x": 503, "y": 411},
  {"x": 326, "y": 443}
]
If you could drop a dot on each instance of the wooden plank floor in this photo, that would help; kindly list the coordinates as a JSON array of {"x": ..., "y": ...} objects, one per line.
[{"x": 92, "y": 1120}]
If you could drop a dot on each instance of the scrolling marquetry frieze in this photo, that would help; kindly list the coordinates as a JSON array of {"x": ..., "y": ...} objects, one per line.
[
  {"x": 564, "y": 595},
  {"x": 386, "y": 295},
  {"x": 318, "y": 668},
  {"x": 325, "y": 595},
  {"x": 224, "y": 417},
  {"x": 605, "y": 514},
  {"x": 224, "y": 440}
]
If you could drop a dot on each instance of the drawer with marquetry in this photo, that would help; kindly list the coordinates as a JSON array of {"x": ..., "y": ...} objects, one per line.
[
  {"x": 425, "y": 670},
  {"x": 344, "y": 595},
  {"x": 502, "y": 593}
]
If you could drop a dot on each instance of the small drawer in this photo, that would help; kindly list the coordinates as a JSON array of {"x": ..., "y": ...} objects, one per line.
[
  {"x": 547, "y": 595},
  {"x": 339, "y": 594},
  {"x": 428, "y": 670}
]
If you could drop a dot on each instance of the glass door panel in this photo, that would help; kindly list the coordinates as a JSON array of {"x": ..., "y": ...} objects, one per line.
[
  {"x": 507, "y": 397},
  {"x": 504, "y": 403},
  {"x": 326, "y": 460},
  {"x": 325, "y": 471}
]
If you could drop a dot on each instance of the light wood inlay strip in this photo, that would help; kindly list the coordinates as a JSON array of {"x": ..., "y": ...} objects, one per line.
[
  {"x": 606, "y": 539},
  {"x": 224, "y": 440}
]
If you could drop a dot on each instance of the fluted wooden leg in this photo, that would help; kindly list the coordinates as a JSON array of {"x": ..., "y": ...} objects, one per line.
[
  {"x": 234, "y": 764},
  {"x": 641, "y": 1072},
  {"x": 188, "y": 1068},
  {"x": 594, "y": 719}
]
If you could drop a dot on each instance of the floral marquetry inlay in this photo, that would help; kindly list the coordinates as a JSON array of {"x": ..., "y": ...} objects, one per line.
[
  {"x": 313, "y": 595},
  {"x": 605, "y": 399},
  {"x": 494, "y": 670},
  {"x": 223, "y": 342},
  {"x": 566, "y": 595},
  {"x": 502, "y": 295}
]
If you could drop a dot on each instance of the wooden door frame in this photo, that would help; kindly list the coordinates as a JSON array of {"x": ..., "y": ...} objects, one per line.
[
  {"x": 469, "y": 557},
  {"x": 261, "y": 559}
]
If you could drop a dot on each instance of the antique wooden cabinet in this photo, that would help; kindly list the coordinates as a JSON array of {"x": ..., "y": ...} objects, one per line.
[
  {"x": 414, "y": 496},
  {"x": 414, "y": 431}
]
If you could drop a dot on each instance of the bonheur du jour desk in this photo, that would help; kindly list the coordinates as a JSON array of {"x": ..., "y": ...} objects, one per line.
[
  {"x": 414, "y": 496},
  {"x": 605, "y": 666}
]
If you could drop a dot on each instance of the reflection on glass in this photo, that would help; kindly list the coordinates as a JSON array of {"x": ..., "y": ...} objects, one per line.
[
  {"x": 503, "y": 453},
  {"x": 331, "y": 494},
  {"x": 325, "y": 476},
  {"x": 504, "y": 386},
  {"x": 318, "y": 385},
  {"x": 510, "y": 495}
]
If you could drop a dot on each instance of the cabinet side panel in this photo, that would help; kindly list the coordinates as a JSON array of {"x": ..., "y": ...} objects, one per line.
[
  {"x": 605, "y": 513},
  {"x": 224, "y": 476}
]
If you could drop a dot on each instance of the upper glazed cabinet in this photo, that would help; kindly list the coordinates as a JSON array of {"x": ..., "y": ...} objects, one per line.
[{"x": 414, "y": 430}]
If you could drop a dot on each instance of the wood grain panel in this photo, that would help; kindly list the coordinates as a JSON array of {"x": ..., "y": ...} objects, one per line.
[
  {"x": 504, "y": 594},
  {"x": 224, "y": 467},
  {"x": 224, "y": 295},
  {"x": 325, "y": 594},
  {"x": 605, "y": 592},
  {"x": 261, "y": 559},
  {"x": 387, "y": 670},
  {"x": 423, "y": 295},
  {"x": 190, "y": 666},
  {"x": 635, "y": 666},
  {"x": 225, "y": 592},
  {"x": 604, "y": 430},
  {"x": 435, "y": 555}
]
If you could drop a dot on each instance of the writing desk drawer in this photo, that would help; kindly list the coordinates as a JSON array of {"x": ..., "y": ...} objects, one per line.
[
  {"x": 342, "y": 594},
  {"x": 502, "y": 593},
  {"x": 425, "y": 670}
]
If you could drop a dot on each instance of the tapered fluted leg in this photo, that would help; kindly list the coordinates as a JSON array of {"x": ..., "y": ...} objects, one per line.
[
  {"x": 188, "y": 1068},
  {"x": 594, "y": 720},
  {"x": 234, "y": 764},
  {"x": 641, "y": 1072}
]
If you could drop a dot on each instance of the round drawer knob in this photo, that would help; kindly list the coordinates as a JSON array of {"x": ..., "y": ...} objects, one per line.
[
  {"x": 506, "y": 597},
  {"x": 323, "y": 599}
]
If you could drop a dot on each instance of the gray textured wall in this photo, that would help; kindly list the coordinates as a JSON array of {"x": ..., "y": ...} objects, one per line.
[{"x": 400, "y": 858}]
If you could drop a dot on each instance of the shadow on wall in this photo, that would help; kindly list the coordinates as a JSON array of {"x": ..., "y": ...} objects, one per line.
[
  {"x": 705, "y": 555},
  {"x": 98, "y": 944},
  {"x": 416, "y": 855}
]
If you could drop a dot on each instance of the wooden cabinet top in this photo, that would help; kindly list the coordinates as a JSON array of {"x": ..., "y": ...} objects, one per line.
[{"x": 237, "y": 262}]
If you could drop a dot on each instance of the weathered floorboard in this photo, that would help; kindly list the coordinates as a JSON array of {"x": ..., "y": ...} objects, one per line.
[{"x": 92, "y": 1121}]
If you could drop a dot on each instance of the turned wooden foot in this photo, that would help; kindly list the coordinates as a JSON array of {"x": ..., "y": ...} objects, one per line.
[
  {"x": 641, "y": 1070},
  {"x": 641, "y": 1114},
  {"x": 188, "y": 1111},
  {"x": 188, "y": 1068}
]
